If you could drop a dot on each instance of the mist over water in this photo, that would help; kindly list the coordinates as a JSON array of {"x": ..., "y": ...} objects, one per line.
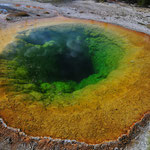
[
  {"x": 71, "y": 55},
  {"x": 65, "y": 53}
]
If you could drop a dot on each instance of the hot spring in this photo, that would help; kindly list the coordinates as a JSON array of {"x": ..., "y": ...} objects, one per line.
[
  {"x": 63, "y": 58},
  {"x": 73, "y": 79}
]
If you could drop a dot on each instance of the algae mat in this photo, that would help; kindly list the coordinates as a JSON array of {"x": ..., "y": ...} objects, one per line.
[{"x": 73, "y": 79}]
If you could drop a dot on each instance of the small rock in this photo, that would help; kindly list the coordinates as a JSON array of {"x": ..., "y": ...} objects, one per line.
[
  {"x": 13, "y": 16},
  {"x": 92, "y": 12},
  {"x": 148, "y": 26},
  {"x": 46, "y": 12},
  {"x": 141, "y": 23},
  {"x": 117, "y": 17},
  {"x": 18, "y": 5},
  {"x": 81, "y": 12},
  {"x": 8, "y": 18},
  {"x": 9, "y": 140},
  {"x": 3, "y": 11},
  {"x": 19, "y": 14}
]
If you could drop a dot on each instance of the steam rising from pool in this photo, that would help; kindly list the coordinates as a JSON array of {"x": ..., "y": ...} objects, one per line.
[{"x": 63, "y": 58}]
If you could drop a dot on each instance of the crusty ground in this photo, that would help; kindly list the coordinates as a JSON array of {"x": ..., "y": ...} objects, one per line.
[{"x": 129, "y": 16}]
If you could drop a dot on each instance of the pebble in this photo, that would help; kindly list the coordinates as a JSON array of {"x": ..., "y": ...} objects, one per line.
[{"x": 3, "y": 11}]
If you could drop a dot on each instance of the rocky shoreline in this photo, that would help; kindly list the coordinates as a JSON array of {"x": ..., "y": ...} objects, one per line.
[{"x": 14, "y": 139}]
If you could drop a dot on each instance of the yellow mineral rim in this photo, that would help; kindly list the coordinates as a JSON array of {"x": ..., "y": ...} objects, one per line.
[{"x": 101, "y": 112}]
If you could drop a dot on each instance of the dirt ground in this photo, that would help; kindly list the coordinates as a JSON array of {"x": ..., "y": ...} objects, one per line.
[{"x": 129, "y": 16}]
